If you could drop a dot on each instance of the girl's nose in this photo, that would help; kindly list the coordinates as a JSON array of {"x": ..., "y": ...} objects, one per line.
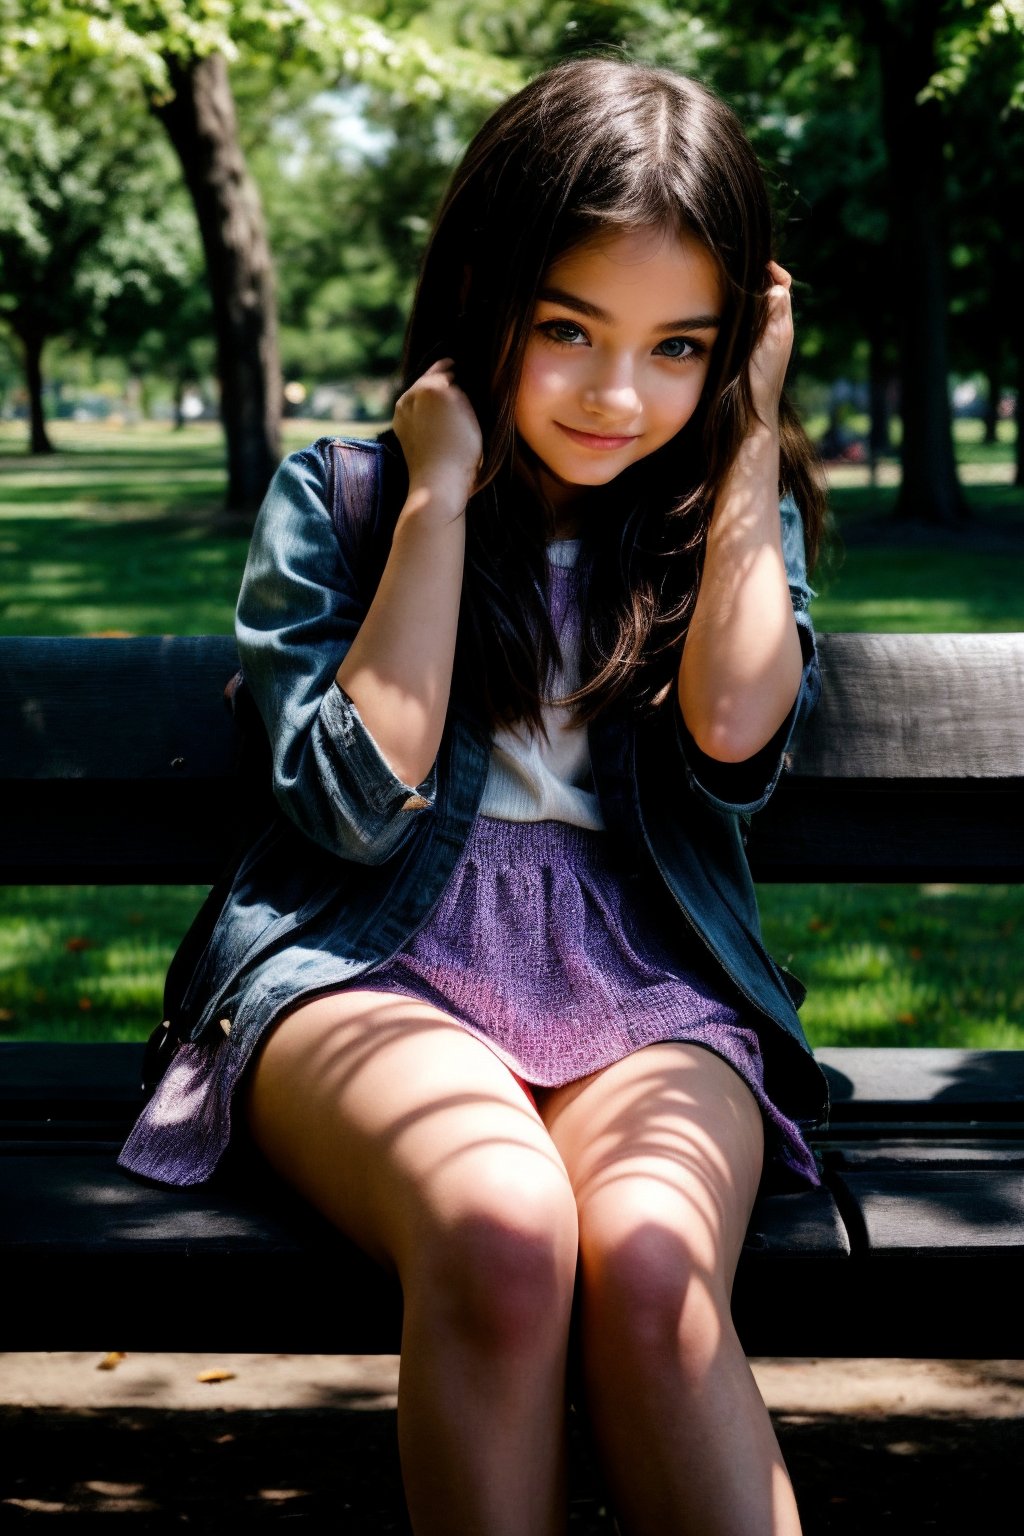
[{"x": 611, "y": 389}]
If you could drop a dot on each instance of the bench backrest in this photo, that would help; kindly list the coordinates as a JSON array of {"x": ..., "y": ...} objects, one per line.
[{"x": 119, "y": 762}]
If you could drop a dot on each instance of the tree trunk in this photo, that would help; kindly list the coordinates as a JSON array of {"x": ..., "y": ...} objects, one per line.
[
  {"x": 1019, "y": 411},
  {"x": 200, "y": 120},
  {"x": 994, "y": 385},
  {"x": 32, "y": 346},
  {"x": 905, "y": 39},
  {"x": 879, "y": 430}
]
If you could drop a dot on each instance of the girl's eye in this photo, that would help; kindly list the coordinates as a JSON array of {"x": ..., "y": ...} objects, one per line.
[
  {"x": 681, "y": 348},
  {"x": 565, "y": 331}
]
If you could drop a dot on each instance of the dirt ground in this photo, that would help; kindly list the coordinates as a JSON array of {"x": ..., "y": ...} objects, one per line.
[{"x": 147, "y": 1446}]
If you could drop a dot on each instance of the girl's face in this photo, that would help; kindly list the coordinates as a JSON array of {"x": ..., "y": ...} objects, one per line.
[{"x": 617, "y": 355}]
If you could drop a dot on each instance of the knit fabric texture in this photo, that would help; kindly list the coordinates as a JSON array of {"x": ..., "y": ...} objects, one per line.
[{"x": 560, "y": 957}]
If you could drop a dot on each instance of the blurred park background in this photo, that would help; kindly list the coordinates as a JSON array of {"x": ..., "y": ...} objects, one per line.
[{"x": 210, "y": 222}]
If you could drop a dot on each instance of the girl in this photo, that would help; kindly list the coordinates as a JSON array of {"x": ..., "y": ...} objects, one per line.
[{"x": 496, "y": 978}]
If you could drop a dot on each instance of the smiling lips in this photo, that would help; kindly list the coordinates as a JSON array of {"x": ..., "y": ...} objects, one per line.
[{"x": 596, "y": 439}]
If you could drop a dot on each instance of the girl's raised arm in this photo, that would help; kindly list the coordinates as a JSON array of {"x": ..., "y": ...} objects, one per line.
[
  {"x": 742, "y": 660},
  {"x": 398, "y": 670}
]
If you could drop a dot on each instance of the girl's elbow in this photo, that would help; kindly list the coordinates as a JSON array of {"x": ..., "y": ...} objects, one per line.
[
  {"x": 739, "y": 733},
  {"x": 726, "y": 741}
]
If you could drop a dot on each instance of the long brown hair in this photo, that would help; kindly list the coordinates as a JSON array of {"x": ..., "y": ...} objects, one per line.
[{"x": 595, "y": 145}]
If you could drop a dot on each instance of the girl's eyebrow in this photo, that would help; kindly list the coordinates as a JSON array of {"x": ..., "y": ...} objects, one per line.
[{"x": 594, "y": 312}]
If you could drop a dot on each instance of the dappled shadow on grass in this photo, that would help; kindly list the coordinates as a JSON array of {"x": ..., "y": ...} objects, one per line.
[
  {"x": 169, "y": 489},
  {"x": 161, "y": 575},
  {"x": 922, "y": 591}
]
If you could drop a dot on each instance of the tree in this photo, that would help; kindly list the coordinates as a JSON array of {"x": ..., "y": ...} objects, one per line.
[
  {"x": 181, "y": 50},
  {"x": 83, "y": 220},
  {"x": 905, "y": 37}
]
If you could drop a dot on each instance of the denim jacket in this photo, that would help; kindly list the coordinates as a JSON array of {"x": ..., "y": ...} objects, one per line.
[{"x": 359, "y": 858}]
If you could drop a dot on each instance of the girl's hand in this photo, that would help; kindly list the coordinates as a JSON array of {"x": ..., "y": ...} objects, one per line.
[
  {"x": 440, "y": 436},
  {"x": 770, "y": 358}
]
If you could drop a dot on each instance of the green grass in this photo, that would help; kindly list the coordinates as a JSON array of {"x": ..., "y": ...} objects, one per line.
[
  {"x": 119, "y": 533},
  {"x": 82, "y": 963},
  {"x": 920, "y": 590},
  {"x": 903, "y": 964},
  {"x": 122, "y": 532},
  {"x": 884, "y": 965}
]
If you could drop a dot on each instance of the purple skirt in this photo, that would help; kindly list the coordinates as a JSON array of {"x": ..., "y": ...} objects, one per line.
[{"x": 553, "y": 951}]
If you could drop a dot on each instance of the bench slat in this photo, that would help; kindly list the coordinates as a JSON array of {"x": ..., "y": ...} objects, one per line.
[
  {"x": 893, "y": 707},
  {"x": 156, "y": 1269},
  {"x": 911, "y": 1084},
  {"x": 118, "y": 761},
  {"x": 934, "y": 1210}
]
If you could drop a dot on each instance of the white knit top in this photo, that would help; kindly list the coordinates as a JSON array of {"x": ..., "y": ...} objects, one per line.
[{"x": 530, "y": 779}]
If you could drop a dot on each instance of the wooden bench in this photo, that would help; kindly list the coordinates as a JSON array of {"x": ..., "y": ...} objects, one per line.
[{"x": 118, "y": 765}]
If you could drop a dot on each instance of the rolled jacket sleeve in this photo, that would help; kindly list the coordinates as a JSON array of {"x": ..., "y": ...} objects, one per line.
[
  {"x": 298, "y": 612},
  {"x": 747, "y": 786}
]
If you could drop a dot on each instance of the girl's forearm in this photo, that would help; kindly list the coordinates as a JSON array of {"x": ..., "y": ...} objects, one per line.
[
  {"x": 741, "y": 663},
  {"x": 398, "y": 670}
]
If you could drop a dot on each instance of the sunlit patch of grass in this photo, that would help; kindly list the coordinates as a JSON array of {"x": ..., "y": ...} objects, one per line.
[
  {"x": 884, "y": 965},
  {"x": 903, "y": 964},
  {"x": 123, "y": 531},
  {"x": 922, "y": 591},
  {"x": 82, "y": 963}
]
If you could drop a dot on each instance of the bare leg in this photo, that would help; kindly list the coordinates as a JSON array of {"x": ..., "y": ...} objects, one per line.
[
  {"x": 664, "y": 1151},
  {"x": 416, "y": 1141}
]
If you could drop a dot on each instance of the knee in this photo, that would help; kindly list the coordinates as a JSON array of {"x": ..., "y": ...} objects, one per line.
[
  {"x": 499, "y": 1270},
  {"x": 655, "y": 1296}
]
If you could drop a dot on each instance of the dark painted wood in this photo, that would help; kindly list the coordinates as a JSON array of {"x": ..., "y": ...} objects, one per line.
[
  {"x": 177, "y": 1259},
  {"x": 922, "y": 1083},
  {"x": 866, "y": 1086},
  {"x": 936, "y": 1211},
  {"x": 893, "y": 707},
  {"x": 119, "y": 761},
  {"x": 118, "y": 757},
  {"x": 149, "y": 709},
  {"x": 951, "y": 1150}
]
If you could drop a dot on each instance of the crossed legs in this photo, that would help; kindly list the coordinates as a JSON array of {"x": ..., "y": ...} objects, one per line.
[{"x": 415, "y": 1140}]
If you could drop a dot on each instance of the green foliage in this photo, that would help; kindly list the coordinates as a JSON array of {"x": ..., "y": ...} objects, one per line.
[
  {"x": 97, "y": 243},
  {"x": 341, "y": 41}
]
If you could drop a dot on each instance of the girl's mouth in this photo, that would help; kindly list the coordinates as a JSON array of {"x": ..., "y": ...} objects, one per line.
[{"x": 597, "y": 440}]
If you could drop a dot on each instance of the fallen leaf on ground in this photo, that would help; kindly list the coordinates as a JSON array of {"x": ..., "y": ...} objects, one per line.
[
  {"x": 216, "y": 1375},
  {"x": 112, "y": 1361}
]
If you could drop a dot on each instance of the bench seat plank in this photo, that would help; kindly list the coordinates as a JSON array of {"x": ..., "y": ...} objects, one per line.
[
  {"x": 72, "y": 1219},
  {"x": 940, "y": 1211},
  {"x": 937, "y": 1152},
  {"x": 891, "y": 1083},
  {"x": 884, "y": 1083}
]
